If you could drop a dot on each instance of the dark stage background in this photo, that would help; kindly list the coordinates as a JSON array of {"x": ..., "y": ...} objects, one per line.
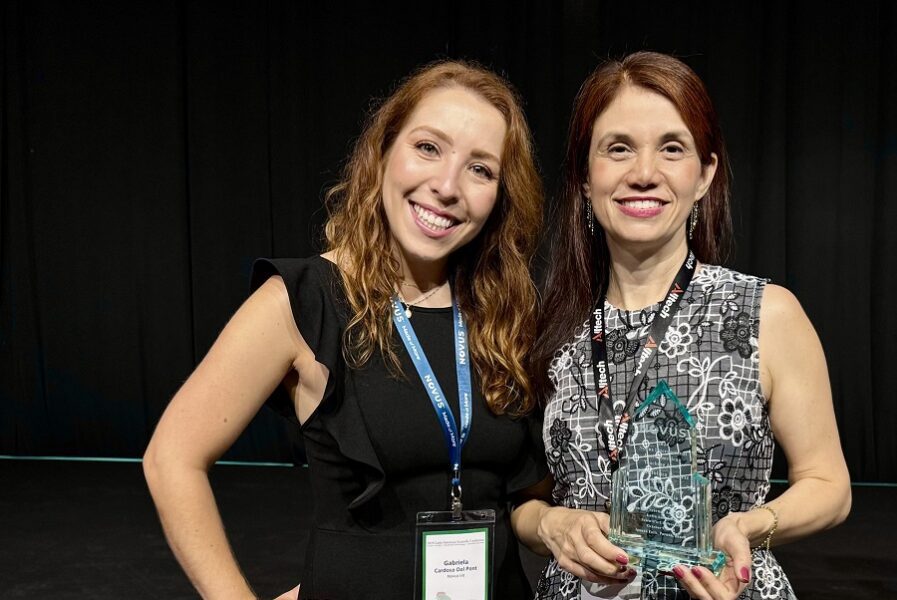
[{"x": 152, "y": 150}]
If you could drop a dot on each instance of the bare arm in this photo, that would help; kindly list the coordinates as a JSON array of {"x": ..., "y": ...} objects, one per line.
[
  {"x": 254, "y": 352},
  {"x": 794, "y": 379},
  {"x": 529, "y": 508}
]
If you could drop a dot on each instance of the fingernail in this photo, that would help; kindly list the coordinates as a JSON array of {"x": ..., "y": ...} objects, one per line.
[
  {"x": 622, "y": 559},
  {"x": 696, "y": 572},
  {"x": 678, "y": 572},
  {"x": 745, "y": 575},
  {"x": 631, "y": 573}
]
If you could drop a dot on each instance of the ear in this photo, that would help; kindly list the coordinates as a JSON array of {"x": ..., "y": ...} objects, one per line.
[
  {"x": 586, "y": 191},
  {"x": 708, "y": 171}
]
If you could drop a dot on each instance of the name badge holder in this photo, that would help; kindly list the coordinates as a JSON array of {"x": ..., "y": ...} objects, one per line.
[
  {"x": 454, "y": 548},
  {"x": 454, "y": 555}
]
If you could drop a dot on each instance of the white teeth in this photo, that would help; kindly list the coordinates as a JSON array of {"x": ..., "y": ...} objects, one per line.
[
  {"x": 431, "y": 218},
  {"x": 644, "y": 203}
]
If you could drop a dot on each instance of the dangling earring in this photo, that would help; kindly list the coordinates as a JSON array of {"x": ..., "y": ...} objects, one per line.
[
  {"x": 590, "y": 219},
  {"x": 693, "y": 221}
]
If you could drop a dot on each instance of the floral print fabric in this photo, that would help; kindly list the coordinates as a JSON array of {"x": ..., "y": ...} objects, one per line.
[{"x": 710, "y": 359}]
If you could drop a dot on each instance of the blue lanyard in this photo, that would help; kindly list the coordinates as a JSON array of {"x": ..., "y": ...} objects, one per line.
[{"x": 453, "y": 440}]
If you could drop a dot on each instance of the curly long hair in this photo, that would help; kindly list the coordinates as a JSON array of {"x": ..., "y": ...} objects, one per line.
[
  {"x": 490, "y": 275},
  {"x": 579, "y": 261}
]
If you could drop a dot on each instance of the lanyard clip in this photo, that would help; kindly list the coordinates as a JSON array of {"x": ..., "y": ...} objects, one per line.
[{"x": 456, "y": 495}]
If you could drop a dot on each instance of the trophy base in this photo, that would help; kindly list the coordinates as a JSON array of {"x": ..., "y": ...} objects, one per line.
[{"x": 664, "y": 557}]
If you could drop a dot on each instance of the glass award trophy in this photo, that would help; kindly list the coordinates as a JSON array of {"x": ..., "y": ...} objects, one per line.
[{"x": 660, "y": 504}]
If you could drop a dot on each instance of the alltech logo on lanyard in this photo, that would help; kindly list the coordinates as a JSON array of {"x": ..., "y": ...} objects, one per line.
[
  {"x": 453, "y": 548},
  {"x": 615, "y": 435}
]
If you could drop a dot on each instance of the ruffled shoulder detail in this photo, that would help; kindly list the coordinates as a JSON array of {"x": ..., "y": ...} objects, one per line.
[
  {"x": 317, "y": 303},
  {"x": 320, "y": 311},
  {"x": 341, "y": 421}
]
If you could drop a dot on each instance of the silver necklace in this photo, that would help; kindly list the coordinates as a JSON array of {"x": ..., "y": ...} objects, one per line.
[{"x": 417, "y": 300}]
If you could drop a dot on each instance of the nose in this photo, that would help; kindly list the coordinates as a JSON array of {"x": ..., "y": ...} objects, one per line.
[
  {"x": 445, "y": 181},
  {"x": 644, "y": 173}
]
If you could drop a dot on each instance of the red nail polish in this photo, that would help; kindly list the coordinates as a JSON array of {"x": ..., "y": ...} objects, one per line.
[
  {"x": 622, "y": 559},
  {"x": 697, "y": 572},
  {"x": 678, "y": 572},
  {"x": 631, "y": 573},
  {"x": 745, "y": 575}
]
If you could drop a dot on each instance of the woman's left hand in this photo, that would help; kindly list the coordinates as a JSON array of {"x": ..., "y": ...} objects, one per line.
[{"x": 702, "y": 584}]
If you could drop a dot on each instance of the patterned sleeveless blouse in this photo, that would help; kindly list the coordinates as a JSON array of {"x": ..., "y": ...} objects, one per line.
[{"x": 710, "y": 359}]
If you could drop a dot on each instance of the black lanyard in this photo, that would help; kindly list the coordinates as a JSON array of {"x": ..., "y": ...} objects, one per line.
[{"x": 616, "y": 437}]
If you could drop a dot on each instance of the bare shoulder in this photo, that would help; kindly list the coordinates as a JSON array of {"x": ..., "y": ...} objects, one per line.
[
  {"x": 783, "y": 320},
  {"x": 340, "y": 258},
  {"x": 779, "y": 304},
  {"x": 782, "y": 317},
  {"x": 789, "y": 345},
  {"x": 272, "y": 293},
  {"x": 331, "y": 256},
  {"x": 269, "y": 310}
]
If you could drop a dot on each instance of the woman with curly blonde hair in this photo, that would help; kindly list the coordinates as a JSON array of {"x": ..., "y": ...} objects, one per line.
[{"x": 431, "y": 231}]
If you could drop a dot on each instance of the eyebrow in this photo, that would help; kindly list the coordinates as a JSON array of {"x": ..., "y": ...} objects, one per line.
[
  {"x": 483, "y": 155},
  {"x": 679, "y": 135},
  {"x": 475, "y": 153},
  {"x": 613, "y": 136}
]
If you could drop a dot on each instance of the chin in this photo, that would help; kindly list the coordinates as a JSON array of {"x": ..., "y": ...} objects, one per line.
[{"x": 427, "y": 255}]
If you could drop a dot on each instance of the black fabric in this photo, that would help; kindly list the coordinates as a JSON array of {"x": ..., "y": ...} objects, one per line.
[
  {"x": 149, "y": 151},
  {"x": 377, "y": 456},
  {"x": 318, "y": 320}
]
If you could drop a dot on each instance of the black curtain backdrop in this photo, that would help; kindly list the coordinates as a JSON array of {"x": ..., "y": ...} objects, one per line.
[{"x": 152, "y": 150}]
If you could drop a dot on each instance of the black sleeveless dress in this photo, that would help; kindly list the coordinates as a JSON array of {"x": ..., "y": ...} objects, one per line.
[{"x": 377, "y": 456}]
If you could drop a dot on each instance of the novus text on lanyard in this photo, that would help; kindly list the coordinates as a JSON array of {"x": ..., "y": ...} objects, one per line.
[
  {"x": 615, "y": 436},
  {"x": 453, "y": 549},
  {"x": 454, "y": 438}
]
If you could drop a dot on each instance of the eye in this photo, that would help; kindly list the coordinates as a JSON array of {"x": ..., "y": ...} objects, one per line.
[
  {"x": 673, "y": 150},
  {"x": 428, "y": 148},
  {"x": 618, "y": 150},
  {"x": 482, "y": 171}
]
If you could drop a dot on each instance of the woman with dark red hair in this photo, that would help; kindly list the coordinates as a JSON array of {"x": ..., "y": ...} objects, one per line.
[{"x": 636, "y": 301}]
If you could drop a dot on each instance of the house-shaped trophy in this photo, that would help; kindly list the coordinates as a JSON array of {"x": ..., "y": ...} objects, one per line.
[{"x": 660, "y": 503}]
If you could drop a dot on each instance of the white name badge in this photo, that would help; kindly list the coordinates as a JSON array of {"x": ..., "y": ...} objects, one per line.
[{"x": 454, "y": 556}]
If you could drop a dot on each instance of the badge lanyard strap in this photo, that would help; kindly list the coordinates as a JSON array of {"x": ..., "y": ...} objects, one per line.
[
  {"x": 616, "y": 437},
  {"x": 453, "y": 439}
]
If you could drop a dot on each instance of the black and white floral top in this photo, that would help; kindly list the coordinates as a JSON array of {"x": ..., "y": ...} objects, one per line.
[{"x": 710, "y": 359}]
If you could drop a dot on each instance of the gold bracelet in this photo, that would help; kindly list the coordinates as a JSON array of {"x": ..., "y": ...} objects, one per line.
[{"x": 775, "y": 525}]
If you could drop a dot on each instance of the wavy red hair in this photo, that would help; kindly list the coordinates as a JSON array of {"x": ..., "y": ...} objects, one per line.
[{"x": 490, "y": 275}]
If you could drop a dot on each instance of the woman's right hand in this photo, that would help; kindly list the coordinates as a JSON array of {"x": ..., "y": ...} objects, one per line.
[{"x": 578, "y": 540}]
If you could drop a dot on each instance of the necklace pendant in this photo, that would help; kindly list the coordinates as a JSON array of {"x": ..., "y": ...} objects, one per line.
[{"x": 408, "y": 313}]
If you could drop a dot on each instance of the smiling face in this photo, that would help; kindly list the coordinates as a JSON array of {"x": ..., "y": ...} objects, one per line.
[
  {"x": 440, "y": 179},
  {"x": 644, "y": 172}
]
